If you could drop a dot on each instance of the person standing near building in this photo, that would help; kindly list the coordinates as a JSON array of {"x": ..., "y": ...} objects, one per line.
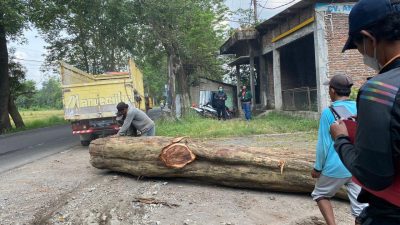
[
  {"x": 136, "y": 118},
  {"x": 374, "y": 158},
  {"x": 245, "y": 98},
  {"x": 330, "y": 172},
  {"x": 219, "y": 100}
]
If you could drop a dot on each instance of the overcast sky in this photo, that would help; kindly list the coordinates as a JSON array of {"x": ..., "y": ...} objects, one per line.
[{"x": 32, "y": 52}]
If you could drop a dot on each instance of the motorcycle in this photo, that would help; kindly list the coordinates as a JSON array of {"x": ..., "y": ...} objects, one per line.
[{"x": 210, "y": 112}]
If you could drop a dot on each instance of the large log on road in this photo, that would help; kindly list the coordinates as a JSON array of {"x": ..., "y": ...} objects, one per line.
[{"x": 231, "y": 165}]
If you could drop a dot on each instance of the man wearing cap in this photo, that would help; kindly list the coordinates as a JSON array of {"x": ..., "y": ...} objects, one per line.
[
  {"x": 328, "y": 169},
  {"x": 373, "y": 160},
  {"x": 136, "y": 118}
]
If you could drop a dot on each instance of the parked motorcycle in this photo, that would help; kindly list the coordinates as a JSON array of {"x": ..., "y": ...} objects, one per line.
[{"x": 210, "y": 112}]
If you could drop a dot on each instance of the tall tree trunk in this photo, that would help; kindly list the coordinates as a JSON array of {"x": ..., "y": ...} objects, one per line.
[
  {"x": 183, "y": 87},
  {"x": 4, "y": 81},
  {"x": 178, "y": 74},
  {"x": 171, "y": 83},
  {"x": 13, "y": 110}
]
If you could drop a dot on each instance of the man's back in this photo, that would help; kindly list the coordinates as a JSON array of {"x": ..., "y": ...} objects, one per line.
[
  {"x": 138, "y": 119},
  {"x": 327, "y": 159}
]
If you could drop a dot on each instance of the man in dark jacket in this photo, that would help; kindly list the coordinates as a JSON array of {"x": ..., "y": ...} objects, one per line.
[
  {"x": 373, "y": 160},
  {"x": 219, "y": 100}
]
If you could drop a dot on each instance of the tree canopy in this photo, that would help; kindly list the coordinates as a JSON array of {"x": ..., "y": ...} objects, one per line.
[
  {"x": 179, "y": 38},
  {"x": 95, "y": 36},
  {"x": 189, "y": 32},
  {"x": 173, "y": 41}
]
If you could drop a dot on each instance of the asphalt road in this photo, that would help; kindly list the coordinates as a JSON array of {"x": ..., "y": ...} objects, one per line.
[
  {"x": 27, "y": 146},
  {"x": 24, "y": 147}
]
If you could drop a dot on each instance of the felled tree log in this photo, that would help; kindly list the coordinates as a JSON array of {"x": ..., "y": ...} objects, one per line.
[{"x": 236, "y": 166}]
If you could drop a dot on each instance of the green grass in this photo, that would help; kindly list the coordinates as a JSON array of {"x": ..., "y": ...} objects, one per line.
[
  {"x": 196, "y": 126},
  {"x": 40, "y": 118}
]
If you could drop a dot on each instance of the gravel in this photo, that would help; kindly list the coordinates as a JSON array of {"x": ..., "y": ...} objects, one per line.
[{"x": 65, "y": 189}]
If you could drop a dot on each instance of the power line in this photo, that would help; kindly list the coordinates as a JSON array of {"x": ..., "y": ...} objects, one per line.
[
  {"x": 237, "y": 21},
  {"x": 28, "y": 60},
  {"x": 263, "y": 7},
  {"x": 29, "y": 49},
  {"x": 277, "y": 7}
]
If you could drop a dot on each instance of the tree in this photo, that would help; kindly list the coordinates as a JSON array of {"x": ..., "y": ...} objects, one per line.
[
  {"x": 13, "y": 19},
  {"x": 17, "y": 88},
  {"x": 154, "y": 77},
  {"x": 100, "y": 35},
  {"x": 26, "y": 94},
  {"x": 50, "y": 95},
  {"x": 91, "y": 35},
  {"x": 188, "y": 33}
]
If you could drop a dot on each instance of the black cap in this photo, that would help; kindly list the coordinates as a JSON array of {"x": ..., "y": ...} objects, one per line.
[
  {"x": 364, "y": 14},
  {"x": 121, "y": 106},
  {"x": 340, "y": 82}
]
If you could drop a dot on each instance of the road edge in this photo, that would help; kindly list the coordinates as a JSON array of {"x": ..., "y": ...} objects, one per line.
[{"x": 31, "y": 131}]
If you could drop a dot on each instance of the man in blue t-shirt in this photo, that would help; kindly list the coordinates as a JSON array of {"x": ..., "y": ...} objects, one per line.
[{"x": 328, "y": 168}]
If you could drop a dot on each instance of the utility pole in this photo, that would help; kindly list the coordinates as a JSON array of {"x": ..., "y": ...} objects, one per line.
[{"x": 255, "y": 11}]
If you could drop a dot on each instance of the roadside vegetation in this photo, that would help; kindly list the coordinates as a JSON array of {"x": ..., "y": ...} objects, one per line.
[
  {"x": 37, "y": 107},
  {"x": 38, "y": 118},
  {"x": 199, "y": 127}
]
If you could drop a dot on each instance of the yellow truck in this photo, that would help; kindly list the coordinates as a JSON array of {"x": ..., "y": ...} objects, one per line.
[{"x": 90, "y": 100}]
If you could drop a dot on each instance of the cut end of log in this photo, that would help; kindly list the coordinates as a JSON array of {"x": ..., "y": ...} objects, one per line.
[{"x": 177, "y": 155}]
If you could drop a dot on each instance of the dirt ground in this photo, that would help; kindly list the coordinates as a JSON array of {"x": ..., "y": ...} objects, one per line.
[{"x": 65, "y": 189}]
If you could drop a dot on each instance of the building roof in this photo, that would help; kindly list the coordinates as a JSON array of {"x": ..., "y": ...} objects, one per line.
[
  {"x": 218, "y": 82},
  {"x": 239, "y": 37},
  {"x": 240, "y": 61},
  {"x": 262, "y": 27}
]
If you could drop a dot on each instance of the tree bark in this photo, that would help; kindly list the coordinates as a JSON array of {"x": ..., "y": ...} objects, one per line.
[
  {"x": 184, "y": 91},
  {"x": 179, "y": 78},
  {"x": 5, "y": 123},
  {"x": 14, "y": 113},
  {"x": 237, "y": 166},
  {"x": 171, "y": 84}
]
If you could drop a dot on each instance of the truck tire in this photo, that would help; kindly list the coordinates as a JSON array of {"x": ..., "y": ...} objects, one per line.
[
  {"x": 85, "y": 143},
  {"x": 85, "y": 139}
]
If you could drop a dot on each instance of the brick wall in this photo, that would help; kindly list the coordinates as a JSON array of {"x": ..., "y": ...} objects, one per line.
[{"x": 350, "y": 62}]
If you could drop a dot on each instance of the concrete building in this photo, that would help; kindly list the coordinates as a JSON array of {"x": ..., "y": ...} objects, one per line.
[{"x": 293, "y": 53}]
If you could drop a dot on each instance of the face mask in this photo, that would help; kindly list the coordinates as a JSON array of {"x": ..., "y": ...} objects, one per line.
[
  {"x": 220, "y": 90},
  {"x": 371, "y": 62}
]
